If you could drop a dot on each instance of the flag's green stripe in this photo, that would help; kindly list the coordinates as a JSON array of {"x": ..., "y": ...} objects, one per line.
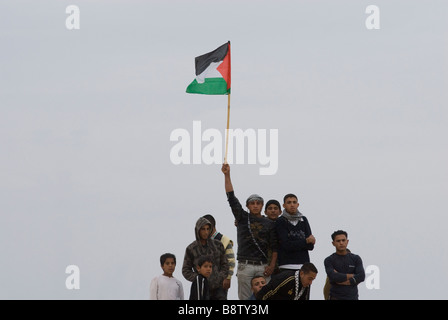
[{"x": 210, "y": 86}]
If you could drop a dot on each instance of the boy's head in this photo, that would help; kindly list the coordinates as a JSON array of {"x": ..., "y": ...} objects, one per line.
[
  {"x": 205, "y": 266},
  {"x": 340, "y": 240},
  {"x": 203, "y": 230},
  {"x": 255, "y": 204},
  {"x": 290, "y": 203},
  {"x": 307, "y": 274},
  {"x": 212, "y": 220},
  {"x": 338, "y": 233},
  {"x": 272, "y": 209},
  {"x": 257, "y": 283},
  {"x": 168, "y": 264}
]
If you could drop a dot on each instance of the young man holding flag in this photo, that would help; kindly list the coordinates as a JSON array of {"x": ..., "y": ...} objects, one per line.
[{"x": 255, "y": 236}]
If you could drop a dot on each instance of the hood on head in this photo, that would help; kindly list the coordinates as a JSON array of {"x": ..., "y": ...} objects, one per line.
[{"x": 199, "y": 224}]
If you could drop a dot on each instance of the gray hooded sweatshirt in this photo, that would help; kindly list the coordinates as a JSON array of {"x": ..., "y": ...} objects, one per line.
[{"x": 214, "y": 249}]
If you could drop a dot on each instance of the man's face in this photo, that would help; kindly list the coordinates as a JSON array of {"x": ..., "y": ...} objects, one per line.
[
  {"x": 307, "y": 278},
  {"x": 272, "y": 211},
  {"x": 291, "y": 204},
  {"x": 257, "y": 284},
  {"x": 340, "y": 242},
  {"x": 204, "y": 232},
  {"x": 255, "y": 206}
]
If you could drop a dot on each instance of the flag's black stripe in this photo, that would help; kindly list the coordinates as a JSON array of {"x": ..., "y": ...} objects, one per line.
[{"x": 202, "y": 62}]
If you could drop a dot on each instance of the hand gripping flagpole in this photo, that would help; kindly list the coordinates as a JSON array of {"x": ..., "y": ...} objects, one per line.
[{"x": 227, "y": 130}]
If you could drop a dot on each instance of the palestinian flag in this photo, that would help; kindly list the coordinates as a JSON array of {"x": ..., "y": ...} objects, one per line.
[{"x": 212, "y": 72}]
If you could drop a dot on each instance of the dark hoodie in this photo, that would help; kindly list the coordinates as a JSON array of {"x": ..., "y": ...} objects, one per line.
[{"x": 212, "y": 248}]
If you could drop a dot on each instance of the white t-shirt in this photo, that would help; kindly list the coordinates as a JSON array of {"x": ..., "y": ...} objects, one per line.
[{"x": 166, "y": 288}]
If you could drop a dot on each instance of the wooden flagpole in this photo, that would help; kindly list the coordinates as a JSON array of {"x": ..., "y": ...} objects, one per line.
[{"x": 227, "y": 130}]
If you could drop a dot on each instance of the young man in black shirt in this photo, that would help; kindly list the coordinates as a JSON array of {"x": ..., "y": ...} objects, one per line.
[
  {"x": 294, "y": 235},
  {"x": 255, "y": 236},
  {"x": 344, "y": 269}
]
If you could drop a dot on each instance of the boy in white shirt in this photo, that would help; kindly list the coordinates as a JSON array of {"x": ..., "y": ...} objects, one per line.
[{"x": 165, "y": 286}]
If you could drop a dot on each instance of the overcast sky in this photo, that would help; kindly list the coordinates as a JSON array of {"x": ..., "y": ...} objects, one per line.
[{"x": 86, "y": 116}]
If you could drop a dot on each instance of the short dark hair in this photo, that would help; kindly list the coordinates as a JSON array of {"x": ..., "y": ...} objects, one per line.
[
  {"x": 165, "y": 256},
  {"x": 337, "y": 233},
  {"x": 289, "y": 195},
  {"x": 274, "y": 202},
  {"x": 210, "y": 218},
  {"x": 256, "y": 277},
  {"x": 308, "y": 267},
  {"x": 203, "y": 259}
]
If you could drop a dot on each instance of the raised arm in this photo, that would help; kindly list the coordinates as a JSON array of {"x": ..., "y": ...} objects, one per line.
[
  {"x": 234, "y": 203},
  {"x": 227, "y": 182}
]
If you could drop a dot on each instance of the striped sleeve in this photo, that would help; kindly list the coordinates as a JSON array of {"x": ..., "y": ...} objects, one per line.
[{"x": 230, "y": 255}]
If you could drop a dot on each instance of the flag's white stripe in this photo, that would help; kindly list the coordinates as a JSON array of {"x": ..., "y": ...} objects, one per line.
[{"x": 210, "y": 72}]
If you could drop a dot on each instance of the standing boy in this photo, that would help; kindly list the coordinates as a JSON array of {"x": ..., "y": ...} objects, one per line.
[
  {"x": 344, "y": 269},
  {"x": 200, "y": 289},
  {"x": 294, "y": 235},
  {"x": 255, "y": 235},
  {"x": 272, "y": 211},
  {"x": 205, "y": 246},
  {"x": 165, "y": 286},
  {"x": 228, "y": 246}
]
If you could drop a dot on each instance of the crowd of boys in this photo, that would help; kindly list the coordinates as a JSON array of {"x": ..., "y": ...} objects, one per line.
[{"x": 273, "y": 256}]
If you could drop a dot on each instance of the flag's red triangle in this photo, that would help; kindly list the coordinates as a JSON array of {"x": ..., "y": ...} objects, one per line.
[{"x": 224, "y": 68}]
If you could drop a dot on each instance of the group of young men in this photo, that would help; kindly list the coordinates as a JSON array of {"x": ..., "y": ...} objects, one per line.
[{"x": 273, "y": 255}]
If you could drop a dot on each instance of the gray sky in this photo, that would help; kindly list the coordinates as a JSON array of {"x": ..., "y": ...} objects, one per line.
[{"x": 86, "y": 115}]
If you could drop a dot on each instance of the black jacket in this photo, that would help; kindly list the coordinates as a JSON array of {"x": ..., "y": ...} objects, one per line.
[
  {"x": 284, "y": 286},
  {"x": 293, "y": 248},
  {"x": 200, "y": 289}
]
